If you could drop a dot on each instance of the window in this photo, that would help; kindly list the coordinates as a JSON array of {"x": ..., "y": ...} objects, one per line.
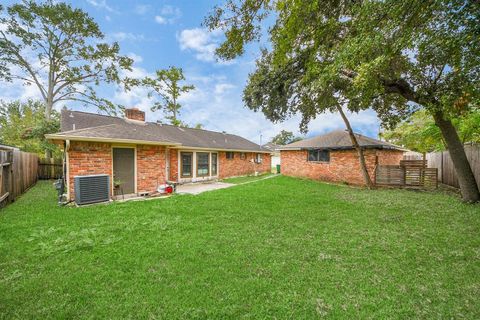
[
  {"x": 230, "y": 155},
  {"x": 186, "y": 164},
  {"x": 319, "y": 155},
  {"x": 243, "y": 155},
  {"x": 214, "y": 164},
  {"x": 258, "y": 158},
  {"x": 202, "y": 164}
]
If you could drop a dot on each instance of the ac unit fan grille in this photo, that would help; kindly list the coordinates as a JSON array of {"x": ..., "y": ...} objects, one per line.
[{"x": 92, "y": 189}]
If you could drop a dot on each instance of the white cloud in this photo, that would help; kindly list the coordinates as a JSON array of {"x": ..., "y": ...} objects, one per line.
[
  {"x": 171, "y": 11},
  {"x": 200, "y": 41},
  {"x": 217, "y": 104},
  {"x": 168, "y": 15},
  {"x": 122, "y": 36},
  {"x": 221, "y": 88},
  {"x": 102, "y": 4},
  {"x": 136, "y": 58},
  {"x": 160, "y": 20}
]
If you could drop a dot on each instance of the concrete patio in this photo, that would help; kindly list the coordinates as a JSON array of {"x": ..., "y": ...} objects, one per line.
[{"x": 197, "y": 188}]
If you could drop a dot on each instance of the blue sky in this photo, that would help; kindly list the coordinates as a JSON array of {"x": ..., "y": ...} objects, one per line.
[{"x": 158, "y": 34}]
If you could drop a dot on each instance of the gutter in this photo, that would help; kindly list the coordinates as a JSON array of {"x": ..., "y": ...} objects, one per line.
[
  {"x": 110, "y": 140},
  {"x": 344, "y": 148},
  {"x": 176, "y": 145},
  {"x": 218, "y": 149}
]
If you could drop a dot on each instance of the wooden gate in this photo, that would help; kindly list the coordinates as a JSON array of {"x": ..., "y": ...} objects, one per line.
[
  {"x": 409, "y": 174},
  {"x": 50, "y": 169}
]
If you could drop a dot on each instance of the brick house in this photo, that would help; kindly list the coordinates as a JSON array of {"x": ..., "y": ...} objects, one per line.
[
  {"x": 331, "y": 157},
  {"x": 140, "y": 155}
]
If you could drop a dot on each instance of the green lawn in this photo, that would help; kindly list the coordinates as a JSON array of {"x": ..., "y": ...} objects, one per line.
[
  {"x": 244, "y": 179},
  {"x": 276, "y": 248}
]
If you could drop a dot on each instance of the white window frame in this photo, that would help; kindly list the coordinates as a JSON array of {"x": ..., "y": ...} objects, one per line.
[{"x": 194, "y": 176}]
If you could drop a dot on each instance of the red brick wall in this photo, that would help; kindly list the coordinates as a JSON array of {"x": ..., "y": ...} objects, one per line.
[
  {"x": 238, "y": 167},
  {"x": 85, "y": 158},
  {"x": 135, "y": 114},
  {"x": 344, "y": 165},
  {"x": 173, "y": 165},
  {"x": 151, "y": 163}
]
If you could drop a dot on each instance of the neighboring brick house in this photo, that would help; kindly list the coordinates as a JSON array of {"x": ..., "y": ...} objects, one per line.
[
  {"x": 331, "y": 157},
  {"x": 141, "y": 155}
]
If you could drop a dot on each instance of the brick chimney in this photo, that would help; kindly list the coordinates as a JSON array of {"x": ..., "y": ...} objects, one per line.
[{"x": 135, "y": 114}]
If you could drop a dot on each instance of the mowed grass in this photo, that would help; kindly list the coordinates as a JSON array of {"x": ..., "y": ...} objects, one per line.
[
  {"x": 245, "y": 179},
  {"x": 276, "y": 248}
]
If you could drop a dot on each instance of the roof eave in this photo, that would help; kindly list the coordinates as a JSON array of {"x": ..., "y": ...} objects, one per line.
[
  {"x": 221, "y": 149},
  {"x": 110, "y": 140},
  {"x": 343, "y": 148}
]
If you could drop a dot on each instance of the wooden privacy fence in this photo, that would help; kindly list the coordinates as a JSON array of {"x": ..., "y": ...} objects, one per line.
[
  {"x": 409, "y": 174},
  {"x": 50, "y": 169},
  {"x": 18, "y": 173},
  {"x": 446, "y": 172}
]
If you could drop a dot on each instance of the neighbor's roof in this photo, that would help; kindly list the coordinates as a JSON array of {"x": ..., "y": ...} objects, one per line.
[
  {"x": 271, "y": 146},
  {"x": 337, "y": 140},
  {"x": 83, "y": 126}
]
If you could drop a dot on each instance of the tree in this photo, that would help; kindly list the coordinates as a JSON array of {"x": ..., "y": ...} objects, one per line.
[
  {"x": 59, "y": 50},
  {"x": 23, "y": 125},
  {"x": 419, "y": 132},
  {"x": 394, "y": 56},
  {"x": 285, "y": 137},
  {"x": 167, "y": 86}
]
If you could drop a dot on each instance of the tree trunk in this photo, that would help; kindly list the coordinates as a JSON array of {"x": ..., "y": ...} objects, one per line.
[
  {"x": 48, "y": 112},
  {"x": 466, "y": 179},
  {"x": 363, "y": 165}
]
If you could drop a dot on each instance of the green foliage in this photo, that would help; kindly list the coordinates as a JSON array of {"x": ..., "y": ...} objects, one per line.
[
  {"x": 23, "y": 124},
  {"x": 419, "y": 132},
  {"x": 168, "y": 86},
  {"x": 59, "y": 50},
  {"x": 278, "y": 248},
  {"x": 394, "y": 56},
  {"x": 285, "y": 137}
]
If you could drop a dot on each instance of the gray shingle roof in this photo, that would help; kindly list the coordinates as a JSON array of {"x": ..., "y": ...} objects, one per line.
[
  {"x": 271, "y": 146},
  {"x": 88, "y": 125},
  {"x": 339, "y": 139}
]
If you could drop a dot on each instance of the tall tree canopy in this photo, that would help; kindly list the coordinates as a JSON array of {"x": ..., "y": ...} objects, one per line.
[
  {"x": 285, "y": 137},
  {"x": 394, "y": 56},
  {"x": 59, "y": 50},
  {"x": 23, "y": 125},
  {"x": 168, "y": 86},
  {"x": 419, "y": 132}
]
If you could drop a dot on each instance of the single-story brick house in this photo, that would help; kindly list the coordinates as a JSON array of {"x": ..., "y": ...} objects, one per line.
[
  {"x": 331, "y": 157},
  {"x": 143, "y": 155}
]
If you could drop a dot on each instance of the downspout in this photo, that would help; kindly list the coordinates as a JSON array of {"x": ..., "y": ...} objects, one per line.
[{"x": 66, "y": 169}]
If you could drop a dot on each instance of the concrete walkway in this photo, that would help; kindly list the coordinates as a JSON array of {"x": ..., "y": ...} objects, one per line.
[{"x": 199, "y": 187}]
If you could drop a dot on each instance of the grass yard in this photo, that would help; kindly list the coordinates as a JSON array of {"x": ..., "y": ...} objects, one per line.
[
  {"x": 244, "y": 179},
  {"x": 277, "y": 248}
]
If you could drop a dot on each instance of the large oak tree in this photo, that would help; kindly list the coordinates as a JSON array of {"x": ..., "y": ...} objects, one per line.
[
  {"x": 393, "y": 56},
  {"x": 61, "y": 51}
]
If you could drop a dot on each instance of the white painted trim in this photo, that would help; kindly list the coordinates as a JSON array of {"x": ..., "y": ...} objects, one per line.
[
  {"x": 185, "y": 148},
  {"x": 67, "y": 159},
  {"x": 194, "y": 177},
  {"x": 109, "y": 140},
  {"x": 167, "y": 164},
  {"x": 134, "y": 164}
]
